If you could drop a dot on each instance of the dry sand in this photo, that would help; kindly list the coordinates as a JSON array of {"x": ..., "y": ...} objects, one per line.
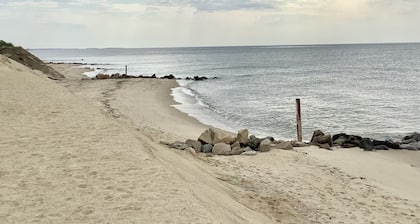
[{"x": 88, "y": 151}]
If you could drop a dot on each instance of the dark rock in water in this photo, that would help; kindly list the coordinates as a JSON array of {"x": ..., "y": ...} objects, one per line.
[
  {"x": 198, "y": 78},
  {"x": 194, "y": 144},
  {"x": 168, "y": 77},
  {"x": 153, "y": 76},
  {"x": 380, "y": 147},
  {"x": 319, "y": 138},
  {"x": 254, "y": 142},
  {"x": 387, "y": 143},
  {"x": 207, "y": 148},
  {"x": 366, "y": 144}
]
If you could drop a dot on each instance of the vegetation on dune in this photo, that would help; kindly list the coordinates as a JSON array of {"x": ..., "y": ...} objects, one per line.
[{"x": 4, "y": 44}]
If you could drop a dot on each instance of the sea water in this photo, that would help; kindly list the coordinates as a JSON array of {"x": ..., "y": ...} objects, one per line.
[{"x": 371, "y": 90}]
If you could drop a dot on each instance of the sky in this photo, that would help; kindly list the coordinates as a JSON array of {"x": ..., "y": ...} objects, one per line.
[{"x": 183, "y": 23}]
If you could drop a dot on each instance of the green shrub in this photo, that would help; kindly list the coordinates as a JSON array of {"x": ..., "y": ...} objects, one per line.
[{"x": 4, "y": 44}]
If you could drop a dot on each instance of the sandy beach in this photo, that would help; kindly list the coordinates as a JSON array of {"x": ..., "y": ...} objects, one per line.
[{"x": 88, "y": 151}]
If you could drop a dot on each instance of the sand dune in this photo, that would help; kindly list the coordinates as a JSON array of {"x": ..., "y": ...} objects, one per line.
[{"x": 88, "y": 151}]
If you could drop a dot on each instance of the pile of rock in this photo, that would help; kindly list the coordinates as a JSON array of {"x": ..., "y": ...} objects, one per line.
[
  {"x": 411, "y": 142},
  {"x": 219, "y": 142},
  {"x": 124, "y": 76}
]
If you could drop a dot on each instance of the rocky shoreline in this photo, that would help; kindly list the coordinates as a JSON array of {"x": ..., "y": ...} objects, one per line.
[
  {"x": 124, "y": 76},
  {"x": 218, "y": 142}
]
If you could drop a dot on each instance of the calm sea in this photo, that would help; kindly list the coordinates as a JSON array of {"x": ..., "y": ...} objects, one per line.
[{"x": 371, "y": 90}]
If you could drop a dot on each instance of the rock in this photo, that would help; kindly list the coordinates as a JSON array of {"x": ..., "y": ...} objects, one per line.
[
  {"x": 191, "y": 151},
  {"x": 265, "y": 145},
  {"x": 242, "y": 136},
  {"x": 207, "y": 148},
  {"x": 168, "y": 77},
  {"x": 339, "y": 139},
  {"x": 319, "y": 138},
  {"x": 415, "y": 136},
  {"x": 284, "y": 145},
  {"x": 178, "y": 145},
  {"x": 237, "y": 151},
  {"x": 214, "y": 136},
  {"x": 366, "y": 144},
  {"x": 387, "y": 143},
  {"x": 269, "y": 138},
  {"x": 246, "y": 149},
  {"x": 227, "y": 139},
  {"x": 253, "y": 142},
  {"x": 194, "y": 144},
  {"x": 410, "y": 146},
  {"x": 115, "y": 76},
  {"x": 380, "y": 147},
  {"x": 408, "y": 141},
  {"x": 102, "y": 76},
  {"x": 221, "y": 149},
  {"x": 347, "y": 141},
  {"x": 235, "y": 145},
  {"x": 198, "y": 78}
]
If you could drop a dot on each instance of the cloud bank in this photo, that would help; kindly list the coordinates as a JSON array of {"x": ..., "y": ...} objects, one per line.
[{"x": 160, "y": 23}]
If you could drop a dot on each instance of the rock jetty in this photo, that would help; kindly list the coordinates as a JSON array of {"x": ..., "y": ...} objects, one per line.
[
  {"x": 124, "y": 76},
  {"x": 218, "y": 142},
  {"x": 410, "y": 142}
]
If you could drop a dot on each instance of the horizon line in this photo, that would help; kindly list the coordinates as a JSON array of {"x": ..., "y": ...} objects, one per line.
[{"x": 226, "y": 46}]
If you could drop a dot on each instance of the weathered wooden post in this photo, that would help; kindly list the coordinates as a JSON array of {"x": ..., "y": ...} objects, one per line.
[
  {"x": 298, "y": 121},
  {"x": 126, "y": 70}
]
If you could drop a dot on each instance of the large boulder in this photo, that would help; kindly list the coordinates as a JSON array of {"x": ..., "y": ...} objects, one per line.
[
  {"x": 194, "y": 144},
  {"x": 319, "y": 138},
  {"x": 214, "y": 136},
  {"x": 221, "y": 149},
  {"x": 265, "y": 145},
  {"x": 284, "y": 145},
  {"x": 242, "y": 136}
]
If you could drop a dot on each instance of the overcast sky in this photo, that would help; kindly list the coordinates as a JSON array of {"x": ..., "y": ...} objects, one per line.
[{"x": 174, "y": 23}]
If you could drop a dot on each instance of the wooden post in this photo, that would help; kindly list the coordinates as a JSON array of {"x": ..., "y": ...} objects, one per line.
[
  {"x": 298, "y": 121},
  {"x": 126, "y": 70}
]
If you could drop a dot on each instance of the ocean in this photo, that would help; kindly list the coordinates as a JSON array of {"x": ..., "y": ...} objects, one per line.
[{"x": 372, "y": 90}]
